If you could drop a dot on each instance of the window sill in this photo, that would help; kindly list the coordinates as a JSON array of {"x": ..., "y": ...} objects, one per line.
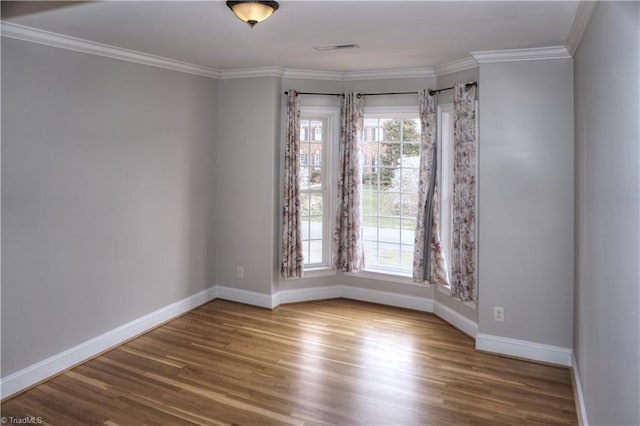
[
  {"x": 321, "y": 271},
  {"x": 385, "y": 276}
]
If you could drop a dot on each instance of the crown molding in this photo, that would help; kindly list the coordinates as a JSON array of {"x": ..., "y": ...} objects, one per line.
[
  {"x": 232, "y": 73},
  {"x": 512, "y": 55},
  {"x": 456, "y": 66},
  {"x": 390, "y": 74},
  {"x": 326, "y": 75},
  {"x": 34, "y": 35},
  {"x": 580, "y": 21},
  {"x": 360, "y": 75},
  {"x": 313, "y": 75}
]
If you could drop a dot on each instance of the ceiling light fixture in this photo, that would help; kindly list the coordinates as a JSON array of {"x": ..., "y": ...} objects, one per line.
[{"x": 253, "y": 12}]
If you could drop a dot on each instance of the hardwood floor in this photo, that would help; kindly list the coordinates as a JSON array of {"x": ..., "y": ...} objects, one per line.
[{"x": 336, "y": 362}]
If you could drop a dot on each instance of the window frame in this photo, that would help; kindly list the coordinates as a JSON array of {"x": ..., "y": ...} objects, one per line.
[
  {"x": 445, "y": 181},
  {"x": 330, "y": 135},
  {"x": 387, "y": 274}
]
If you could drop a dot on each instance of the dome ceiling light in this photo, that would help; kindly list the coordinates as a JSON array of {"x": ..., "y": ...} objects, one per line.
[{"x": 253, "y": 12}]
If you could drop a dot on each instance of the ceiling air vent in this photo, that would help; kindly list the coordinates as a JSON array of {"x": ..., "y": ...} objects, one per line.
[{"x": 337, "y": 46}]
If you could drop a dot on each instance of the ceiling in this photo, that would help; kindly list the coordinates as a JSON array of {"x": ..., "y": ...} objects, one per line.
[{"x": 391, "y": 34}]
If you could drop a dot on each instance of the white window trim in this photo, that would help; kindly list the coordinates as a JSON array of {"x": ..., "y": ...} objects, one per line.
[
  {"x": 315, "y": 272},
  {"x": 445, "y": 178}
]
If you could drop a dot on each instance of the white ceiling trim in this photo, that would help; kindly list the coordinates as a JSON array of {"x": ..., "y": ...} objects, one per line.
[
  {"x": 313, "y": 75},
  {"x": 61, "y": 41},
  {"x": 390, "y": 74},
  {"x": 583, "y": 15},
  {"x": 456, "y": 66},
  {"x": 34, "y": 35},
  {"x": 511, "y": 55},
  {"x": 252, "y": 72}
]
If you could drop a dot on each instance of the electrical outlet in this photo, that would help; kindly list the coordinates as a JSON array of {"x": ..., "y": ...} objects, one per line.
[
  {"x": 240, "y": 272},
  {"x": 498, "y": 313}
]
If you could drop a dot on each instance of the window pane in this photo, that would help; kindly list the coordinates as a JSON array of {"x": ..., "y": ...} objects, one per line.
[
  {"x": 370, "y": 181},
  {"x": 408, "y": 232},
  {"x": 370, "y": 200},
  {"x": 389, "y": 255},
  {"x": 315, "y": 228},
  {"x": 390, "y": 186},
  {"x": 315, "y": 148},
  {"x": 389, "y": 154},
  {"x": 407, "y": 181},
  {"x": 305, "y": 229},
  {"x": 389, "y": 230},
  {"x": 304, "y": 178},
  {"x": 385, "y": 176},
  {"x": 411, "y": 150},
  {"x": 315, "y": 251},
  {"x": 370, "y": 228},
  {"x": 406, "y": 257},
  {"x": 315, "y": 204},
  {"x": 315, "y": 178},
  {"x": 371, "y": 253},
  {"x": 304, "y": 204},
  {"x": 304, "y": 130},
  {"x": 370, "y": 122},
  {"x": 409, "y": 206},
  {"x": 316, "y": 130},
  {"x": 389, "y": 203},
  {"x": 390, "y": 130},
  {"x": 313, "y": 184},
  {"x": 410, "y": 130}
]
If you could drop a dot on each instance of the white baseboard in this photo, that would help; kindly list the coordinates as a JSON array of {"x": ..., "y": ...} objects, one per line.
[
  {"x": 577, "y": 385},
  {"x": 524, "y": 349},
  {"x": 325, "y": 292},
  {"x": 356, "y": 293},
  {"x": 460, "y": 322},
  {"x": 308, "y": 294},
  {"x": 245, "y": 296},
  {"x": 51, "y": 366},
  {"x": 55, "y": 364},
  {"x": 416, "y": 303}
]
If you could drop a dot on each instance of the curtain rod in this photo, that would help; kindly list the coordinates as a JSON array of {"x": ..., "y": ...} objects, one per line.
[{"x": 431, "y": 92}]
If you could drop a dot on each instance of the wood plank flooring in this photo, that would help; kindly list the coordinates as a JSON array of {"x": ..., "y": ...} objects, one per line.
[{"x": 334, "y": 362}]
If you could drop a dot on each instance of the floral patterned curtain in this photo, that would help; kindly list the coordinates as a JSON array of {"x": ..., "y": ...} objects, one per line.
[
  {"x": 292, "y": 257},
  {"x": 348, "y": 252},
  {"x": 463, "y": 242},
  {"x": 428, "y": 256}
]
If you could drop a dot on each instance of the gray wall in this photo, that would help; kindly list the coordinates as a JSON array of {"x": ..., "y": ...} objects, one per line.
[
  {"x": 526, "y": 200},
  {"x": 246, "y": 185},
  {"x": 607, "y": 325},
  {"x": 106, "y": 172}
]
